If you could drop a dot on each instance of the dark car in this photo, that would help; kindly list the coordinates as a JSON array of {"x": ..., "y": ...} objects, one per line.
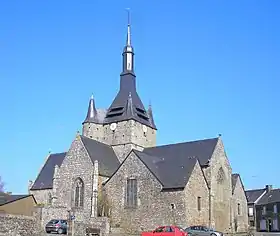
[
  {"x": 199, "y": 230},
  {"x": 57, "y": 225}
]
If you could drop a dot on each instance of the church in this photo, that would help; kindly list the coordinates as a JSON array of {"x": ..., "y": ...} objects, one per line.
[{"x": 115, "y": 169}]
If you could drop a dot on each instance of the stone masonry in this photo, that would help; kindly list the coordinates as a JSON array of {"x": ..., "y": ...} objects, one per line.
[
  {"x": 218, "y": 176},
  {"x": 77, "y": 164},
  {"x": 154, "y": 206},
  {"x": 19, "y": 225},
  {"x": 239, "y": 208},
  {"x": 206, "y": 198}
]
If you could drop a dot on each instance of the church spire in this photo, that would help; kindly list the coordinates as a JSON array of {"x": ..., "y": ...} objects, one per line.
[
  {"x": 92, "y": 112},
  {"x": 128, "y": 52},
  {"x": 127, "y": 105},
  {"x": 151, "y": 117}
]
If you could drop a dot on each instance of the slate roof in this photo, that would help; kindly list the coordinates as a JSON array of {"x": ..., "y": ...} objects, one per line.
[
  {"x": 127, "y": 104},
  {"x": 234, "y": 178},
  {"x": 104, "y": 154},
  {"x": 7, "y": 198},
  {"x": 254, "y": 194},
  {"x": 108, "y": 162},
  {"x": 172, "y": 164},
  {"x": 94, "y": 115},
  {"x": 45, "y": 178},
  {"x": 171, "y": 174},
  {"x": 201, "y": 149},
  {"x": 272, "y": 196}
]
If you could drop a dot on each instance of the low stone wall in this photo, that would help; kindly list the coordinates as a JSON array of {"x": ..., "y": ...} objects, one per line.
[
  {"x": 101, "y": 223},
  {"x": 19, "y": 225},
  {"x": 49, "y": 212}
]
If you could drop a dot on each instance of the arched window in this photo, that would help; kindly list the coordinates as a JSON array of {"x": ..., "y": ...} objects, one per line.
[
  {"x": 220, "y": 191},
  {"x": 79, "y": 193},
  {"x": 221, "y": 176}
]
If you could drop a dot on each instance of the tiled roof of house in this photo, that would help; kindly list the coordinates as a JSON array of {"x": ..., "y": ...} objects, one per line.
[
  {"x": 272, "y": 196},
  {"x": 7, "y": 198},
  {"x": 254, "y": 194}
]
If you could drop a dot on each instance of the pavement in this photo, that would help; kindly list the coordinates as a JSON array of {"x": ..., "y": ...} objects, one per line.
[{"x": 266, "y": 234}]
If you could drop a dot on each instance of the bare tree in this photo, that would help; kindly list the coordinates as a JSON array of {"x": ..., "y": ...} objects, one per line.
[{"x": 1, "y": 185}]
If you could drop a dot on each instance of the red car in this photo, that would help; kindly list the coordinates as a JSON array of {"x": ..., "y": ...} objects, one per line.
[{"x": 166, "y": 231}]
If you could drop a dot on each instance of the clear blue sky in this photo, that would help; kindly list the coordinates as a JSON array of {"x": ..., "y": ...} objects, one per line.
[{"x": 208, "y": 67}]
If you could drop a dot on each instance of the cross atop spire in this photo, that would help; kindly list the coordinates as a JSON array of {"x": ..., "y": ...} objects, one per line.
[
  {"x": 128, "y": 54},
  {"x": 128, "y": 38}
]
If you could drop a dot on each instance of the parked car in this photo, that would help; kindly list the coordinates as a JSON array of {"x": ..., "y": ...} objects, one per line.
[
  {"x": 166, "y": 231},
  {"x": 199, "y": 230},
  {"x": 57, "y": 225}
]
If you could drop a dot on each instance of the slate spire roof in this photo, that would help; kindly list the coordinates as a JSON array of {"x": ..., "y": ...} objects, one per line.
[
  {"x": 151, "y": 117},
  {"x": 94, "y": 115},
  {"x": 92, "y": 112},
  {"x": 127, "y": 104}
]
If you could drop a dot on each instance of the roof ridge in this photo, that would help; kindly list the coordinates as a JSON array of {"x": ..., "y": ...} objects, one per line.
[
  {"x": 93, "y": 140},
  {"x": 56, "y": 153},
  {"x": 192, "y": 141},
  {"x": 257, "y": 189}
]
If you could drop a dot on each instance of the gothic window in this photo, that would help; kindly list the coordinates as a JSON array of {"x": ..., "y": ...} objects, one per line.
[
  {"x": 220, "y": 192},
  {"x": 131, "y": 193},
  {"x": 221, "y": 176},
  {"x": 79, "y": 193}
]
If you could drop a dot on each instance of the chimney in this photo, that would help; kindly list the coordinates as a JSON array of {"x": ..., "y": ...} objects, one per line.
[{"x": 268, "y": 188}]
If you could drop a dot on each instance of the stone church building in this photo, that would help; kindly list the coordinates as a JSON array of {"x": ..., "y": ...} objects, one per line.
[{"x": 114, "y": 169}]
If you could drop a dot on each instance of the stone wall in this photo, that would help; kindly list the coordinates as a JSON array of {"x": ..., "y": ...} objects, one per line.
[
  {"x": 94, "y": 131},
  {"x": 48, "y": 213},
  {"x": 197, "y": 188},
  {"x": 19, "y": 225},
  {"x": 240, "y": 215},
  {"x": 41, "y": 196},
  {"x": 219, "y": 178},
  {"x": 77, "y": 164},
  {"x": 101, "y": 223},
  {"x": 153, "y": 206},
  {"x": 130, "y": 132}
]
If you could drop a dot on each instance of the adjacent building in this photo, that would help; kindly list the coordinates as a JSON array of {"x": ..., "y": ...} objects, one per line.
[
  {"x": 267, "y": 211},
  {"x": 263, "y": 209},
  {"x": 17, "y": 204},
  {"x": 115, "y": 169},
  {"x": 253, "y": 196}
]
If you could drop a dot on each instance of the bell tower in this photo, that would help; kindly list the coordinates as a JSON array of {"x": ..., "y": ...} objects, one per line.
[{"x": 127, "y": 123}]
